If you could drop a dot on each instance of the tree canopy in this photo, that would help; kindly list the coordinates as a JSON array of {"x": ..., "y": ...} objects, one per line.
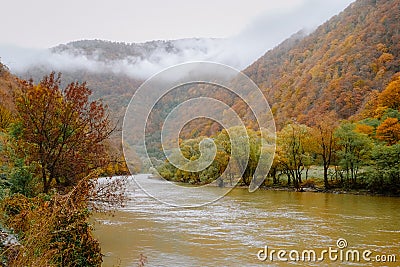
[{"x": 64, "y": 131}]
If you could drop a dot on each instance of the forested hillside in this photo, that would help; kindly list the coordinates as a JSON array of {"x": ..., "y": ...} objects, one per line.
[
  {"x": 115, "y": 89},
  {"x": 335, "y": 96},
  {"x": 7, "y": 87},
  {"x": 339, "y": 69},
  {"x": 336, "y": 68}
]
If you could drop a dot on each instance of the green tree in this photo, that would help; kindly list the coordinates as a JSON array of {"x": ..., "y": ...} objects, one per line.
[
  {"x": 245, "y": 151},
  {"x": 17, "y": 173},
  {"x": 294, "y": 148},
  {"x": 238, "y": 151},
  {"x": 384, "y": 173},
  {"x": 277, "y": 165},
  {"x": 354, "y": 150},
  {"x": 223, "y": 155}
]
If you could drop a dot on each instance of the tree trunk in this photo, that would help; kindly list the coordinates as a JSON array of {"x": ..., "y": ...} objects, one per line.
[
  {"x": 45, "y": 183},
  {"x": 274, "y": 176},
  {"x": 326, "y": 183}
]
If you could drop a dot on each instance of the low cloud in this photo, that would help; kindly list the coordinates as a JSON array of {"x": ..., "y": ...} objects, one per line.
[
  {"x": 238, "y": 51},
  {"x": 20, "y": 59}
]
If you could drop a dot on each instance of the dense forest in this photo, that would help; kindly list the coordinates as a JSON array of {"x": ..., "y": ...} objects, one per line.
[
  {"x": 338, "y": 67},
  {"x": 362, "y": 154}
]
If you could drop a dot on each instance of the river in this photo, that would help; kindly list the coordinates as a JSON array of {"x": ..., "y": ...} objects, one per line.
[{"x": 231, "y": 231}]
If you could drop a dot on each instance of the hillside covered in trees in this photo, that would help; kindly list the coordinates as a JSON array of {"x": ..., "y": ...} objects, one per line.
[
  {"x": 7, "y": 87},
  {"x": 338, "y": 71},
  {"x": 338, "y": 67}
]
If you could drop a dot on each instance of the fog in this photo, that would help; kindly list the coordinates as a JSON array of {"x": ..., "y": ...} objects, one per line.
[{"x": 238, "y": 51}]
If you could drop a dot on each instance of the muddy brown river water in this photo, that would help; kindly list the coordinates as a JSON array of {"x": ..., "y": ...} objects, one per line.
[{"x": 233, "y": 230}]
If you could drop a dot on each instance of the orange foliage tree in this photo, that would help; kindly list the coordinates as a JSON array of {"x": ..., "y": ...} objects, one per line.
[
  {"x": 389, "y": 131},
  {"x": 326, "y": 142},
  {"x": 64, "y": 131},
  {"x": 390, "y": 97}
]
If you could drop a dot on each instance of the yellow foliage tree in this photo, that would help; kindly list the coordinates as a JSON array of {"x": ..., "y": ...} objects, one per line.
[
  {"x": 365, "y": 129},
  {"x": 390, "y": 97},
  {"x": 6, "y": 118}
]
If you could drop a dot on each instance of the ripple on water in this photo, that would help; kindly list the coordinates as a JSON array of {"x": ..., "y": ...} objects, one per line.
[{"x": 230, "y": 231}]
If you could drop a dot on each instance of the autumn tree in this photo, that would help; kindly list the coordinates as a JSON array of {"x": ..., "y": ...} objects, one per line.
[
  {"x": 389, "y": 131},
  {"x": 276, "y": 165},
  {"x": 65, "y": 132},
  {"x": 323, "y": 135},
  {"x": 6, "y": 117},
  {"x": 390, "y": 97},
  {"x": 293, "y": 146},
  {"x": 223, "y": 155}
]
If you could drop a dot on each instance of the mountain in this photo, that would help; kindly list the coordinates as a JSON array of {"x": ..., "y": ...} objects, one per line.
[
  {"x": 114, "y": 70},
  {"x": 133, "y": 53},
  {"x": 334, "y": 69}
]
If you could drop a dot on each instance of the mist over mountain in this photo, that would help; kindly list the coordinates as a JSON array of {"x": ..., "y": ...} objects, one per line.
[
  {"x": 114, "y": 70},
  {"x": 333, "y": 69},
  {"x": 141, "y": 60},
  {"x": 137, "y": 60}
]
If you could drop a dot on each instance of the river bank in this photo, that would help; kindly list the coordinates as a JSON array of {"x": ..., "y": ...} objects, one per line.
[
  {"x": 312, "y": 189},
  {"x": 364, "y": 192}
]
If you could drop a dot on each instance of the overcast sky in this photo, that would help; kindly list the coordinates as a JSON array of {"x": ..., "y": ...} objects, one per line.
[
  {"x": 250, "y": 28},
  {"x": 47, "y": 23}
]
